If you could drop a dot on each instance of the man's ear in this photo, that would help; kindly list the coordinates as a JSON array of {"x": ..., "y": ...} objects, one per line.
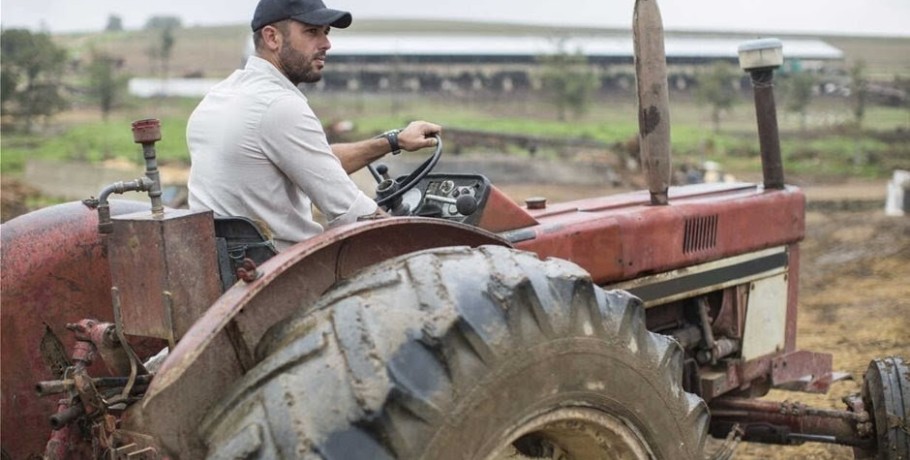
[{"x": 272, "y": 38}]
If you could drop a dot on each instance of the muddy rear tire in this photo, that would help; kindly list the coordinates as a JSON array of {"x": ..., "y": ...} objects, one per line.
[{"x": 463, "y": 353}]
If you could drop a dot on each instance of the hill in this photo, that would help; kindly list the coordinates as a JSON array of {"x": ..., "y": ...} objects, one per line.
[{"x": 213, "y": 52}]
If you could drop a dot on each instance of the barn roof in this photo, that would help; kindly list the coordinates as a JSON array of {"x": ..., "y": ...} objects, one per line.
[{"x": 521, "y": 48}]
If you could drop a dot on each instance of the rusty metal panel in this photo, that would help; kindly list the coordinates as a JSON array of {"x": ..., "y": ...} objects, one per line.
[
  {"x": 766, "y": 317},
  {"x": 182, "y": 391},
  {"x": 803, "y": 370},
  {"x": 717, "y": 382},
  {"x": 622, "y": 237},
  {"x": 165, "y": 271},
  {"x": 501, "y": 214},
  {"x": 792, "y": 298},
  {"x": 730, "y": 321},
  {"x": 800, "y": 370},
  {"x": 54, "y": 271}
]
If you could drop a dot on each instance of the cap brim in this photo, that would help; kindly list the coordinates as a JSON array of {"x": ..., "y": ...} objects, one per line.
[{"x": 326, "y": 17}]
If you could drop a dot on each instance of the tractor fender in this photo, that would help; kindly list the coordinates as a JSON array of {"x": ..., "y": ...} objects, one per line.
[
  {"x": 218, "y": 348},
  {"x": 54, "y": 271}
]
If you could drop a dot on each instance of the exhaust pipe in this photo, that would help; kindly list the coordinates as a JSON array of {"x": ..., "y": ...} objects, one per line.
[
  {"x": 653, "y": 98},
  {"x": 760, "y": 58}
]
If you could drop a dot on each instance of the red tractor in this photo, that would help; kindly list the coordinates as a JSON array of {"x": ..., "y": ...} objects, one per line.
[{"x": 626, "y": 326}]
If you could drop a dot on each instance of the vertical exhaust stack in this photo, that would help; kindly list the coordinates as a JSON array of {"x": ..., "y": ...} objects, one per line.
[
  {"x": 760, "y": 58},
  {"x": 653, "y": 98}
]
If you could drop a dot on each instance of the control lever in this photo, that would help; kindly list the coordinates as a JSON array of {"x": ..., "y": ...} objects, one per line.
[
  {"x": 465, "y": 204},
  {"x": 383, "y": 171}
]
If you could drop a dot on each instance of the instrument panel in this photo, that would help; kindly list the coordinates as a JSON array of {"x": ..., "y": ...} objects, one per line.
[{"x": 456, "y": 197}]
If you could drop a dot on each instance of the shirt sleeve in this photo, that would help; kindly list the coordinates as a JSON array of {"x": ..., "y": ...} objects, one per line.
[{"x": 293, "y": 139}]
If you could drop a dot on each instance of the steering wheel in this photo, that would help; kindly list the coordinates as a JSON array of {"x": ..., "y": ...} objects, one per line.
[{"x": 389, "y": 190}]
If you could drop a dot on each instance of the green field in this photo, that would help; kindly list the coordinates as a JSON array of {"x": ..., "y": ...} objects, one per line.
[{"x": 830, "y": 145}]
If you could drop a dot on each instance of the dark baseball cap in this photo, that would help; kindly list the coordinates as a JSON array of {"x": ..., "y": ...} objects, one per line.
[{"x": 311, "y": 12}]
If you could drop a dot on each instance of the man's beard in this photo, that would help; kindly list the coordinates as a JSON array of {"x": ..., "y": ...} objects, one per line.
[{"x": 298, "y": 67}]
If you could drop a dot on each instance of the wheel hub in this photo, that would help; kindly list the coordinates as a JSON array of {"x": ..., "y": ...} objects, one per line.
[{"x": 574, "y": 433}]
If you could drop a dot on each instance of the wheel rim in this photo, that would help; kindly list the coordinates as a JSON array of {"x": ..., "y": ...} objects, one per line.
[{"x": 573, "y": 433}]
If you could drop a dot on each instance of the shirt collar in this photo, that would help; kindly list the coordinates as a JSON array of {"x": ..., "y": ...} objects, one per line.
[{"x": 259, "y": 64}]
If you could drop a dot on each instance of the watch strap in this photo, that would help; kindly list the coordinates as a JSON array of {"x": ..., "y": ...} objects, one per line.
[{"x": 392, "y": 137}]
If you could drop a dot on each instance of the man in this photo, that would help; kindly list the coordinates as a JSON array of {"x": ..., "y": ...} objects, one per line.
[{"x": 259, "y": 151}]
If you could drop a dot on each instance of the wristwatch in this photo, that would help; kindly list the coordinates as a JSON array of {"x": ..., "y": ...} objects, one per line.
[{"x": 392, "y": 137}]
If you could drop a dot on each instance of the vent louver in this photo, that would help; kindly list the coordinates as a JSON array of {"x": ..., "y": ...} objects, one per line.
[{"x": 701, "y": 234}]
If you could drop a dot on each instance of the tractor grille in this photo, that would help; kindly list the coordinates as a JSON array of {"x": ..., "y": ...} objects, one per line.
[{"x": 701, "y": 234}]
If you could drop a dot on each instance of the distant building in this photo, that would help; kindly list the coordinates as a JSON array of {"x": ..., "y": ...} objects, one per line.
[
  {"x": 171, "y": 87},
  {"x": 464, "y": 62}
]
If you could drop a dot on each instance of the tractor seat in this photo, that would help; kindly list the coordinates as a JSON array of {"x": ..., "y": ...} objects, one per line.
[{"x": 236, "y": 239}]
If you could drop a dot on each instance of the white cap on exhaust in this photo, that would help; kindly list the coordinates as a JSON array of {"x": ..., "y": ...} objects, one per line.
[{"x": 766, "y": 53}]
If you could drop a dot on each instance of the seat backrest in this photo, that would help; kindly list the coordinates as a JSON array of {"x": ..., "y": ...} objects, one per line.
[{"x": 238, "y": 238}]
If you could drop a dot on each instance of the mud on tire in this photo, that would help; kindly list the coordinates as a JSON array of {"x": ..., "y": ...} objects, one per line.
[
  {"x": 886, "y": 393},
  {"x": 462, "y": 353}
]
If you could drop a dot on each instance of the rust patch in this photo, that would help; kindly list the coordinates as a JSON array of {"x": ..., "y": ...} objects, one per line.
[
  {"x": 53, "y": 353},
  {"x": 649, "y": 119}
]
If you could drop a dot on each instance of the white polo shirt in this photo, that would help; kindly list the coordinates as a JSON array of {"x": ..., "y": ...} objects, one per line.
[{"x": 258, "y": 151}]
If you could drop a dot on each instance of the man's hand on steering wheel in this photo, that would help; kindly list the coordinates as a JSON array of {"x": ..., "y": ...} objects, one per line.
[
  {"x": 418, "y": 135},
  {"x": 414, "y": 137}
]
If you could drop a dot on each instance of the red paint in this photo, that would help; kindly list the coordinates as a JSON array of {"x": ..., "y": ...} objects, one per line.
[
  {"x": 500, "y": 213},
  {"x": 615, "y": 238},
  {"x": 182, "y": 392},
  {"x": 622, "y": 237},
  {"x": 54, "y": 272}
]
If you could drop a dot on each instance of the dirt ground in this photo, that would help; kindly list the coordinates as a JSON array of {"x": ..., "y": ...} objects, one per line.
[{"x": 854, "y": 291}]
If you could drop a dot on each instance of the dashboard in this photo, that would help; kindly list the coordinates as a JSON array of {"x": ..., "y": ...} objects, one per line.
[{"x": 456, "y": 197}]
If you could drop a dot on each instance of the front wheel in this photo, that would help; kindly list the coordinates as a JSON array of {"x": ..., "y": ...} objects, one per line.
[
  {"x": 886, "y": 393},
  {"x": 463, "y": 353}
]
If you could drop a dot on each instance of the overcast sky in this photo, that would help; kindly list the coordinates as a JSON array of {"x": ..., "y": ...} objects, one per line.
[{"x": 863, "y": 17}]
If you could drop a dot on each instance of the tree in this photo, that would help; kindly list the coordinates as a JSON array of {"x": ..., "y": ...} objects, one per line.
[
  {"x": 8, "y": 85},
  {"x": 570, "y": 82},
  {"x": 160, "y": 52},
  {"x": 114, "y": 23},
  {"x": 858, "y": 91},
  {"x": 798, "y": 90},
  {"x": 167, "y": 46},
  {"x": 31, "y": 73},
  {"x": 105, "y": 86},
  {"x": 716, "y": 88},
  {"x": 163, "y": 22},
  {"x": 903, "y": 84}
]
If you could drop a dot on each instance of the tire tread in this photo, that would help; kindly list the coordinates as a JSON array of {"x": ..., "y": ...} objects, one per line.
[{"x": 407, "y": 334}]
